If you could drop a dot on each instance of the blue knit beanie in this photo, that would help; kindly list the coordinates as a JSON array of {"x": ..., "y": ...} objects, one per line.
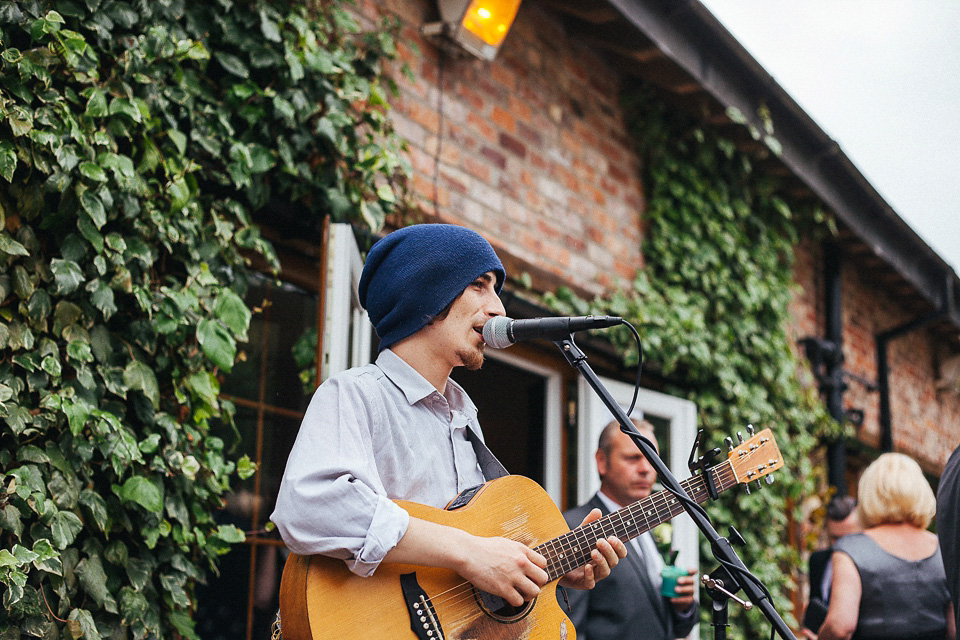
[{"x": 412, "y": 274}]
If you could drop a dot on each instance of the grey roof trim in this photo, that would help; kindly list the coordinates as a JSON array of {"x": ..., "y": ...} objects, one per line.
[{"x": 690, "y": 36}]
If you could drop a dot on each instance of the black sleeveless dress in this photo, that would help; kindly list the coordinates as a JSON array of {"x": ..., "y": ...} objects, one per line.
[{"x": 901, "y": 599}]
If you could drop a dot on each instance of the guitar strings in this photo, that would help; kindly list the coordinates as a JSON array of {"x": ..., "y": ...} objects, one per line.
[{"x": 657, "y": 504}]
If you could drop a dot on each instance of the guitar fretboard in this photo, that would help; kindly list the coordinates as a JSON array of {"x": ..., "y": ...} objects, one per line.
[{"x": 572, "y": 550}]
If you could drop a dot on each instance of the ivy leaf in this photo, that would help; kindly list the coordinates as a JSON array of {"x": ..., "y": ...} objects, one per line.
[
  {"x": 18, "y": 419},
  {"x": 233, "y": 312},
  {"x": 231, "y": 534},
  {"x": 65, "y": 314},
  {"x": 81, "y": 625},
  {"x": 232, "y": 63},
  {"x": 91, "y": 202},
  {"x": 385, "y": 193},
  {"x": 79, "y": 351},
  {"x": 246, "y": 467},
  {"x": 102, "y": 297},
  {"x": 125, "y": 107},
  {"x": 96, "y": 104},
  {"x": 89, "y": 231},
  {"x": 92, "y": 171},
  {"x": 139, "y": 572},
  {"x": 138, "y": 375},
  {"x": 47, "y": 558},
  {"x": 8, "y": 160},
  {"x": 261, "y": 158},
  {"x": 133, "y": 605},
  {"x": 179, "y": 192},
  {"x": 100, "y": 343},
  {"x": 77, "y": 411},
  {"x": 97, "y": 507},
  {"x": 269, "y": 28},
  {"x": 11, "y": 247},
  {"x": 179, "y": 140},
  {"x": 174, "y": 586},
  {"x": 14, "y": 592},
  {"x": 67, "y": 274},
  {"x": 10, "y": 520},
  {"x": 142, "y": 491},
  {"x": 183, "y": 623},
  {"x": 217, "y": 343},
  {"x": 93, "y": 579},
  {"x": 64, "y": 528},
  {"x": 204, "y": 386}
]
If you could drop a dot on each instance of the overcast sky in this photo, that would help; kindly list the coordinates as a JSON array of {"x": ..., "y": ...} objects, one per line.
[{"x": 882, "y": 78}]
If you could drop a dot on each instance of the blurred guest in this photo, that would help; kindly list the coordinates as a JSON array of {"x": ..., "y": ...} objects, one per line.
[
  {"x": 948, "y": 526},
  {"x": 842, "y": 518},
  {"x": 629, "y": 604},
  {"x": 889, "y": 581}
]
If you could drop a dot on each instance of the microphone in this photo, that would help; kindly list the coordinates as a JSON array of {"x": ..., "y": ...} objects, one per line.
[{"x": 500, "y": 332}]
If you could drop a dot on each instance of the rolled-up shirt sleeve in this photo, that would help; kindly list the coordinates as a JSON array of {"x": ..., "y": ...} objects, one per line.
[{"x": 331, "y": 499}]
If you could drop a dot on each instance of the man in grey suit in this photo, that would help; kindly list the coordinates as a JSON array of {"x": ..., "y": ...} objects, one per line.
[{"x": 628, "y": 605}]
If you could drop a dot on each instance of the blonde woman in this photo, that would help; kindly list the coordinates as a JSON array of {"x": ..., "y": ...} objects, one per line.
[{"x": 889, "y": 581}]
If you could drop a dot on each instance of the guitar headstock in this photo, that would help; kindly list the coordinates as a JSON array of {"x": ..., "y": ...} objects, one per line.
[{"x": 755, "y": 458}]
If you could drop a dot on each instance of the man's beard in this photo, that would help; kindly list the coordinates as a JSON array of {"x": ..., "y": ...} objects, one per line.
[{"x": 472, "y": 359}]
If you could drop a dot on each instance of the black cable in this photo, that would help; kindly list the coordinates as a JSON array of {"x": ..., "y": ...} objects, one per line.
[{"x": 636, "y": 387}]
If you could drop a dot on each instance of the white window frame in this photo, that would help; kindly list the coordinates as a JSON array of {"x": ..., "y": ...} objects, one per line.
[{"x": 346, "y": 327}]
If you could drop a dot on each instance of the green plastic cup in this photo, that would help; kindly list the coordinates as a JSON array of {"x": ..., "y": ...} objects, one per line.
[{"x": 670, "y": 573}]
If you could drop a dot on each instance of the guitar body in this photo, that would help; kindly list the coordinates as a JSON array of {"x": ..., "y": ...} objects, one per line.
[{"x": 320, "y": 599}]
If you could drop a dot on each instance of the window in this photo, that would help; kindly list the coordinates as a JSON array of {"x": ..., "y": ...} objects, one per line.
[
  {"x": 520, "y": 406},
  {"x": 270, "y": 399}
]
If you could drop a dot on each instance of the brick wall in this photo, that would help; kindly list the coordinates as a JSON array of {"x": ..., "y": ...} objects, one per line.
[
  {"x": 925, "y": 420},
  {"x": 533, "y": 152}
]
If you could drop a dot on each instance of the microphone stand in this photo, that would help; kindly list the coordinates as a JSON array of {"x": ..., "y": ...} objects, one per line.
[{"x": 722, "y": 549}]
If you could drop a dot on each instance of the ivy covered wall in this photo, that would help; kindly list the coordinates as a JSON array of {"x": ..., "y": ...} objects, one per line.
[
  {"x": 712, "y": 307},
  {"x": 138, "y": 141}
]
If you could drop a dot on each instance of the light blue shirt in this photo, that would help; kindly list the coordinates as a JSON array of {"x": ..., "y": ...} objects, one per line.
[{"x": 372, "y": 435}]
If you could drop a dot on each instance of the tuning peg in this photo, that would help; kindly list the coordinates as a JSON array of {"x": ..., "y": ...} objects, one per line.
[
  {"x": 729, "y": 442},
  {"x": 769, "y": 479},
  {"x": 746, "y": 487},
  {"x": 750, "y": 430},
  {"x": 740, "y": 437}
]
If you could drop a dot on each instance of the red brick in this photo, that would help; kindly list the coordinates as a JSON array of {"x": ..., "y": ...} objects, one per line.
[
  {"x": 495, "y": 157},
  {"x": 511, "y": 144},
  {"x": 477, "y": 169},
  {"x": 483, "y": 127},
  {"x": 503, "y": 119}
]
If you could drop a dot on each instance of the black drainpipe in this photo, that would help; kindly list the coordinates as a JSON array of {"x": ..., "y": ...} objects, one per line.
[
  {"x": 832, "y": 384},
  {"x": 883, "y": 366}
]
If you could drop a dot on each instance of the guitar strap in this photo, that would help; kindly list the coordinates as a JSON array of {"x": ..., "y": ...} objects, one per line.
[{"x": 489, "y": 465}]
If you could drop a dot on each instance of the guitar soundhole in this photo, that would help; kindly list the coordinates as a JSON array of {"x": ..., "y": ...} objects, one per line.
[{"x": 499, "y": 609}]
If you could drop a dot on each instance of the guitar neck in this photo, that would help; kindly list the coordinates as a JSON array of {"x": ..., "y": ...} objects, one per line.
[{"x": 572, "y": 550}]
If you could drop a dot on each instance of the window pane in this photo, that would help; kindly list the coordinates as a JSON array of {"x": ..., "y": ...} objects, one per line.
[{"x": 288, "y": 312}]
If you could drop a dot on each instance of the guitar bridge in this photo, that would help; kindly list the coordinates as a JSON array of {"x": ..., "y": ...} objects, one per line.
[{"x": 423, "y": 617}]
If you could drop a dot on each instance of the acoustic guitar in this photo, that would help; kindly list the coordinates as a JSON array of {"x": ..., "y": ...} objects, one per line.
[{"x": 320, "y": 599}]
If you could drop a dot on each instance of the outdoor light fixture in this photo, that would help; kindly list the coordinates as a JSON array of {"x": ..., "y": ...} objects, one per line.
[{"x": 477, "y": 26}]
